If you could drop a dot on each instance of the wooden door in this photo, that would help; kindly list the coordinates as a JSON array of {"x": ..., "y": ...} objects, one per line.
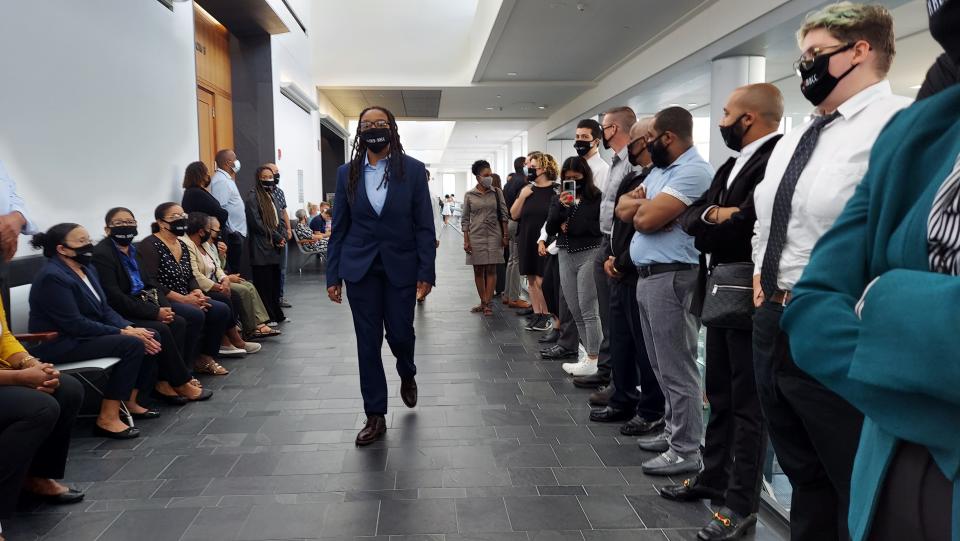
[{"x": 207, "y": 126}]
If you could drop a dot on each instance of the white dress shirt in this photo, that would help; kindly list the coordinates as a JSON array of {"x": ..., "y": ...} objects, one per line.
[
  {"x": 836, "y": 167},
  {"x": 10, "y": 201},
  {"x": 225, "y": 190},
  {"x": 600, "y": 169}
]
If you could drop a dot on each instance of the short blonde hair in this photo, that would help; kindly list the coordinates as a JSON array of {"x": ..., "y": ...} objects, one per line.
[
  {"x": 547, "y": 163},
  {"x": 850, "y": 22}
]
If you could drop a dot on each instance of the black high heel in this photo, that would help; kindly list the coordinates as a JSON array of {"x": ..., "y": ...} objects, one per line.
[{"x": 128, "y": 434}]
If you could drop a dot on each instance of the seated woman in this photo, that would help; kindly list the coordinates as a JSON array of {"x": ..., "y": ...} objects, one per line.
[
  {"x": 66, "y": 298},
  {"x": 38, "y": 406},
  {"x": 115, "y": 259},
  {"x": 307, "y": 238},
  {"x": 165, "y": 262},
  {"x": 214, "y": 282}
]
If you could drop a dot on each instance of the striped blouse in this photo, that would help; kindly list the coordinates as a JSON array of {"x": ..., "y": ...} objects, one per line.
[{"x": 943, "y": 226}]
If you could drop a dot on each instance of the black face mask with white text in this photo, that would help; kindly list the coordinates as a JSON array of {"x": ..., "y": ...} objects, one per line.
[{"x": 376, "y": 139}]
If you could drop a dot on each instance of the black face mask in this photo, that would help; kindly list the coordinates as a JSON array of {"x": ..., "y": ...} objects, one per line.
[
  {"x": 634, "y": 158},
  {"x": 276, "y": 179},
  {"x": 82, "y": 255},
  {"x": 606, "y": 140},
  {"x": 268, "y": 184},
  {"x": 376, "y": 139},
  {"x": 123, "y": 235},
  {"x": 205, "y": 237},
  {"x": 658, "y": 153},
  {"x": 178, "y": 227},
  {"x": 733, "y": 134},
  {"x": 582, "y": 147},
  {"x": 816, "y": 82},
  {"x": 944, "y": 25},
  {"x": 531, "y": 174}
]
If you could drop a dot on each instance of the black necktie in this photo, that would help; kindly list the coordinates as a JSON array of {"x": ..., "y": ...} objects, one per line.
[{"x": 783, "y": 202}]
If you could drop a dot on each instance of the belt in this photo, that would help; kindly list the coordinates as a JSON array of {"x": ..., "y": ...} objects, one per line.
[
  {"x": 780, "y": 297},
  {"x": 646, "y": 271}
]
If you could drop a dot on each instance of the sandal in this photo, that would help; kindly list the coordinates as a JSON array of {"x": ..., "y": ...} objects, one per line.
[
  {"x": 257, "y": 335},
  {"x": 210, "y": 367},
  {"x": 487, "y": 311},
  {"x": 476, "y": 309}
]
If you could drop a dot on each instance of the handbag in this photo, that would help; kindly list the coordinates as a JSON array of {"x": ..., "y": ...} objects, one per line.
[
  {"x": 150, "y": 296},
  {"x": 729, "y": 297}
]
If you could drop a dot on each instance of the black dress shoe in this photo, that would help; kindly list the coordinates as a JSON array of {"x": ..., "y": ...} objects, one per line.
[
  {"x": 172, "y": 400},
  {"x": 591, "y": 382},
  {"x": 601, "y": 397},
  {"x": 557, "y": 352},
  {"x": 610, "y": 414},
  {"x": 408, "y": 392},
  {"x": 149, "y": 414},
  {"x": 552, "y": 336},
  {"x": 71, "y": 496},
  {"x": 128, "y": 434},
  {"x": 726, "y": 526},
  {"x": 205, "y": 394},
  {"x": 376, "y": 426},
  {"x": 638, "y": 426},
  {"x": 690, "y": 491}
]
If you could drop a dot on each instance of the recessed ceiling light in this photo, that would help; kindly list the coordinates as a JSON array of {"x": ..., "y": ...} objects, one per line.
[
  {"x": 541, "y": 107},
  {"x": 499, "y": 96},
  {"x": 693, "y": 104},
  {"x": 489, "y": 108},
  {"x": 511, "y": 74}
]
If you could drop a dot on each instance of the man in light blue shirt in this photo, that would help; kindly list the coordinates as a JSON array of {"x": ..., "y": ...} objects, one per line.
[
  {"x": 223, "y": 186},
  {"x": 373, "y": 182},
  {"x": 666, "y": 261},
  {"x": 14, "y": 218}
]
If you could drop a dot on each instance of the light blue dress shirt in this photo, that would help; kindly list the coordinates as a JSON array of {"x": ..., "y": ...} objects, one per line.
[
  {"x": 686, "y": 179},
  {"x": 372, "y": 180},
  {"x": 11, "y": 202},
  {"x": 225, "y": 190}
]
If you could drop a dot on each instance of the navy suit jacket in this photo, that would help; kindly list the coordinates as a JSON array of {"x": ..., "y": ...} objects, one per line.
[
  {"x": 403, "y": 234},
  {"x": 60, "y": 301}
]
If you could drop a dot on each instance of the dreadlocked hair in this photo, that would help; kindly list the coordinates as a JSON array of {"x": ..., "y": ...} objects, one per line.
[
  {"x": 360, "y": 151},
  {"x": 265, "y": 202}
]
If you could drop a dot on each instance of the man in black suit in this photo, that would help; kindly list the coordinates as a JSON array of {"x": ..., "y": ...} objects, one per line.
[{"x": 721, "y": 222}]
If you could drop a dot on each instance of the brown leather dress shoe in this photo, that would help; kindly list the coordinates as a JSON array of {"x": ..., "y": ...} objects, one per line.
[
  {"x": 376, "y": 426},
  {"x": 408, "y": 392}
]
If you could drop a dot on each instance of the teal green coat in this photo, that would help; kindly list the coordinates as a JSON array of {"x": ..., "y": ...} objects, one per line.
[{"x": 900, "y": 363}]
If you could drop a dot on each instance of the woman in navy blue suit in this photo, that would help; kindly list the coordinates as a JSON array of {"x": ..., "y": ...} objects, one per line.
[
  {"x": 382, "y": 219},
  {"x": 66, "y": 297}
]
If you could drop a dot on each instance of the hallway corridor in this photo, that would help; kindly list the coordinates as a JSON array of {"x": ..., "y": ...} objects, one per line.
[{"x": 499, "y": 447}]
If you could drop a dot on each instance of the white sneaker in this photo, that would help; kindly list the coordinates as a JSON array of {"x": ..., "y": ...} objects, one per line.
[
  {"x": 587, "y": 368},
  {"x": 252, "y": 347},
  {"x": 230, "y": 351},
  {"x": 272, "y": 324},
  {"x": 569, "y": 367}
]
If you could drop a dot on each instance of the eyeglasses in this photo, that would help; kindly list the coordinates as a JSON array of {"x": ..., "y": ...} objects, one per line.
[
  {"x": 604, "y": 128},
  {"x": 364, "y": 126},
  {"x": 123, "y": 223},
  {"x": 172, "y": 217},
  {"x": 807, "y": 59},
  {"x": 217, "y": 231}
]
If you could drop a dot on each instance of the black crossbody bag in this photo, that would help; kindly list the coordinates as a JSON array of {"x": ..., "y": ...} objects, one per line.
[{"x": 729, "y": 297}]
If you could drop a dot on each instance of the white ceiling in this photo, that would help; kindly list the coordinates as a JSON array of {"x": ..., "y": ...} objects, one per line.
[{"x": 479, "y": 139}]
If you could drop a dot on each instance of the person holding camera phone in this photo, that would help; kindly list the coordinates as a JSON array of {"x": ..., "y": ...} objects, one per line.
[{"x": 575, "y": 218}]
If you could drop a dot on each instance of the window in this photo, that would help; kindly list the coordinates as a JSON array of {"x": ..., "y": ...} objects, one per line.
[{"x": 449, "y": 183}]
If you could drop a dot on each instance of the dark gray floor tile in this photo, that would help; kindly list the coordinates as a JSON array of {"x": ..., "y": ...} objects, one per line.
[
  {"x": 78, "y": 525},
  {"x": 561, "y": 490},
  {"x": 621, "y": 455},
  {"x": 295, "y": 521},
  {"x": 546, "y": 513},
  {"x": 482, "y": 515},
  {"x": 405, "y": 517},
  {"x": 609, "y": 512},
  {"x": 532, "y": 476},
  {"x": 81, "y": 470},
  {"x": 120, "y": 490},
  {"x": 576, "y": 455},
  {"x": 555, "y": 535},
  {"x": 657, "y": 512},
  {"x": 630, "y": 535},
  {"x": 199, "y": 466},
  {"x": 150, "y": 525},
  {"x": 588, "y": 476},
  {"x": 351, "y": 519},
  {"x": 475, "y": 477}
]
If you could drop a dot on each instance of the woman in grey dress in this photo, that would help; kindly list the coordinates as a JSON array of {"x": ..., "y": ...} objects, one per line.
[{"x": 484, "y": 224}]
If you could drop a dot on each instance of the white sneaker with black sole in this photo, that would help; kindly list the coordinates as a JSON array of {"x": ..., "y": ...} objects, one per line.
[{"x": 582, "y": 369}]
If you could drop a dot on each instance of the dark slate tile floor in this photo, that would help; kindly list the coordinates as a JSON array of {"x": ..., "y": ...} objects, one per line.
[{"x": 498, "y": 449}]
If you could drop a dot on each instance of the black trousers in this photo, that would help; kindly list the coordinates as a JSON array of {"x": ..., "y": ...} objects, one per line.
[
  {"x": 814, "y": 432},
  {"x": 173, "y": 342},
  {"x": 236, "y": 243},
  {"x": 35, "y": 435},
  {"x": 551, "y": 284},
  {"x": 628, "y": 356},
  {"x": 132, "y": 372},
  {"x": 915, "y": 501},
  {"x": 266, "y": 278},
  {"x": 378, "y": 305},
  {"x": 502, "y": 272},
  {"x": 735, "y": 441},
  {"x": 603, "y": 300}
]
